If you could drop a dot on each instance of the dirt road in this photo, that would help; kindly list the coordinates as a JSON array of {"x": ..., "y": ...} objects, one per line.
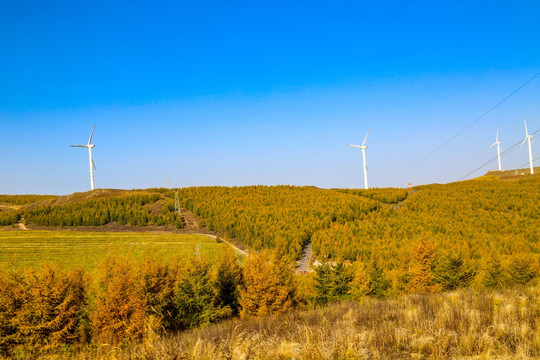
[{"x": 304, "y": 264}]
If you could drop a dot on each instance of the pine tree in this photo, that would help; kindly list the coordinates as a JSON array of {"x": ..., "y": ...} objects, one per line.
[
  {"x": 493, "y": 272},
  {"x": 323, "y": 282},
  {"x": 195, "y": 297},
  {"x": 452, "y": 272},
  {"x": 227, "y": 278},
  {"x": 158, "y": 283},
  {"x": 378, "y": 284},
  {"x": 522, "y": 269}
]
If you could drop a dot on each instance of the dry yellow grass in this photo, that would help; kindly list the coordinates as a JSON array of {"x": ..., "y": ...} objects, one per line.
[{"x": 458, "y": 325}]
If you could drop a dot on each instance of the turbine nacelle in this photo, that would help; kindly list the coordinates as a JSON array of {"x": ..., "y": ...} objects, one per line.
[
  {"x": 84, "y": 146},
  {"x": 363, "y": 147}
]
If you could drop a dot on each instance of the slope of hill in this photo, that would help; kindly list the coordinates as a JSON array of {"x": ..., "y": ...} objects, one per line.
[
  {"x": 458, "y": 325},
  {"x": 93, "y": 208},
  {"x": 510, "y": 174}
]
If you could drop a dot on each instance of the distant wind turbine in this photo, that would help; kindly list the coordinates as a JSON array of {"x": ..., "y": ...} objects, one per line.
[
  {"x": 528, "y": 138},
  {"x": 363, "y": 147},
  {"x": 92, "y": 165},
  {"x": 498, "y": 143}
]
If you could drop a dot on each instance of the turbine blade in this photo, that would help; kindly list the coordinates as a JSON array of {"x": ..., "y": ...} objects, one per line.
[
  {"x": 492, "y": 145},
  {"x": 356, "y": 146},
  {"x": 92, "y": 134},
  {"x": 523, "y": 143},
  {"x": 364, "y": 143},
  {"x": 78, "y": 146},
  {"x": 94, "y": 165}
]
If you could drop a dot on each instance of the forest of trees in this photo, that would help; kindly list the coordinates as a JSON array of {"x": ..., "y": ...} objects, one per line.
[
  {"x": 132, "y": 209},
  {"x": 9, "y": 217},
  {"x": 475, "y": 220},
  {"x": 124, "y": 209},
  {"x": 24, "y": 199},
  {"x": 284, "y": 217},
  {"x": 384, "y": 195}
]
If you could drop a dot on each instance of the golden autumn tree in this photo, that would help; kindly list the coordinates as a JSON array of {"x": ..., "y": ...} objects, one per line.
[
  {"x": 120, "y": 305},
  {"x": 41, "y": 310},
  {"x": 268, "y": 285},
  {"x": 360, "y": 280},
  {"x": 158, "y": 283},
  {"x": 422, "y": 278}
]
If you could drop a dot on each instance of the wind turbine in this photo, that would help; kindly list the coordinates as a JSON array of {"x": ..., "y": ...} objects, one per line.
[
  {"x": 363, "y": 147},
  {"x": 498, "y": 143},
  {"x": 528, "y": 138},
  {"x": 92, "y": 165}
]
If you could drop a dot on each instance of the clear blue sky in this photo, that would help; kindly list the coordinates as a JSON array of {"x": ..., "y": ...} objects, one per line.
[{"x": 236, "y": 93}]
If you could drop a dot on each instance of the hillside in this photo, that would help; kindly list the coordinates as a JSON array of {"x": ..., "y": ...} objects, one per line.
[
  {"x": 93, "y": 208},
  {"x": 458, "y": 325},
  {"x": 399, "y": 253},
  {"x": 496, "y": 215},
  {"x": 510, "y": 174},
  {"x": 473, "y": 220}
]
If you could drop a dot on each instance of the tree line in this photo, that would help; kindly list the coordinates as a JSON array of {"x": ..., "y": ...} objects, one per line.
[
  {"x": 45, "y": 310},
  {"x": 24, "y": 199},
  {"x": 124, "y": 209},
  {"x": 268, "y": 217}
]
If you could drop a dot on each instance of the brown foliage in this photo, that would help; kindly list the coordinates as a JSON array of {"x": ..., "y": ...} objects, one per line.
[
  {"x": 41, "y": 310},
  {"x": 120, "y": 305},
  {"x": 421, "y": 272},
  {"x": 268, "y": 285}
]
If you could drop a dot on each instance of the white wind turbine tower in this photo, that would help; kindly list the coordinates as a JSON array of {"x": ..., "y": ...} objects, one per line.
[
  {"x": 528, "y": 138},
  {"x": 498, "y": 143},
  {"x": 92, "y": 166},
  {"x": 363, "y": 147}
]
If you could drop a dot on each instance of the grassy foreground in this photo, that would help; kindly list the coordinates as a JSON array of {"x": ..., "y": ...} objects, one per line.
[
  {"x": 502, "y": 324},
  {"x": 88, "y": 249}
]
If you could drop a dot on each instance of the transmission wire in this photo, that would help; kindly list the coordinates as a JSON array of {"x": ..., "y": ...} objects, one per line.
[
  {"x": 503, "y": 153},
  {"x": 462, "y": 130}
]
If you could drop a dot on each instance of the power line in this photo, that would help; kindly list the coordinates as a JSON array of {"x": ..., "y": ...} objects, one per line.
[
  {"x": 465, "y": 128},
  {"x": 503, "y": 153},
  {"x": 528, "y": 162}
]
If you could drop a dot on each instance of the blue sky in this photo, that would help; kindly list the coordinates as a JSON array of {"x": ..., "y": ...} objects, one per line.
[{"x": 214, "y": 93}]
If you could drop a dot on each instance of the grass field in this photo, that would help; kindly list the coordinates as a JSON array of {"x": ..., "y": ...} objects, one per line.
[{"x": 87, "y": 249}]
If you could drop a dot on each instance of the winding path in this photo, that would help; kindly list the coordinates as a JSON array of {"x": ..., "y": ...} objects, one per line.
[{"x": 304, "y": 263}]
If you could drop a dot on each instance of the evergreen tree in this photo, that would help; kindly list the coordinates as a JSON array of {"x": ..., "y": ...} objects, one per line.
[
  {"x": 158, "y": 283},
  {"x": 493, "y": 272},
  {"x": 195, "y": 297},
  {"x": 378, "y": 284},
  {"x": 323, "y": 282},
  {"x": 452, "y": 272},
  {"x": 227, "y": 278},
  {"x": 522, "y": 269}
]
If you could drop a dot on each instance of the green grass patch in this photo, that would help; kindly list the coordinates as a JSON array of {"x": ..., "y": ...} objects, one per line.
[{"x": 87, "y": 249}]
